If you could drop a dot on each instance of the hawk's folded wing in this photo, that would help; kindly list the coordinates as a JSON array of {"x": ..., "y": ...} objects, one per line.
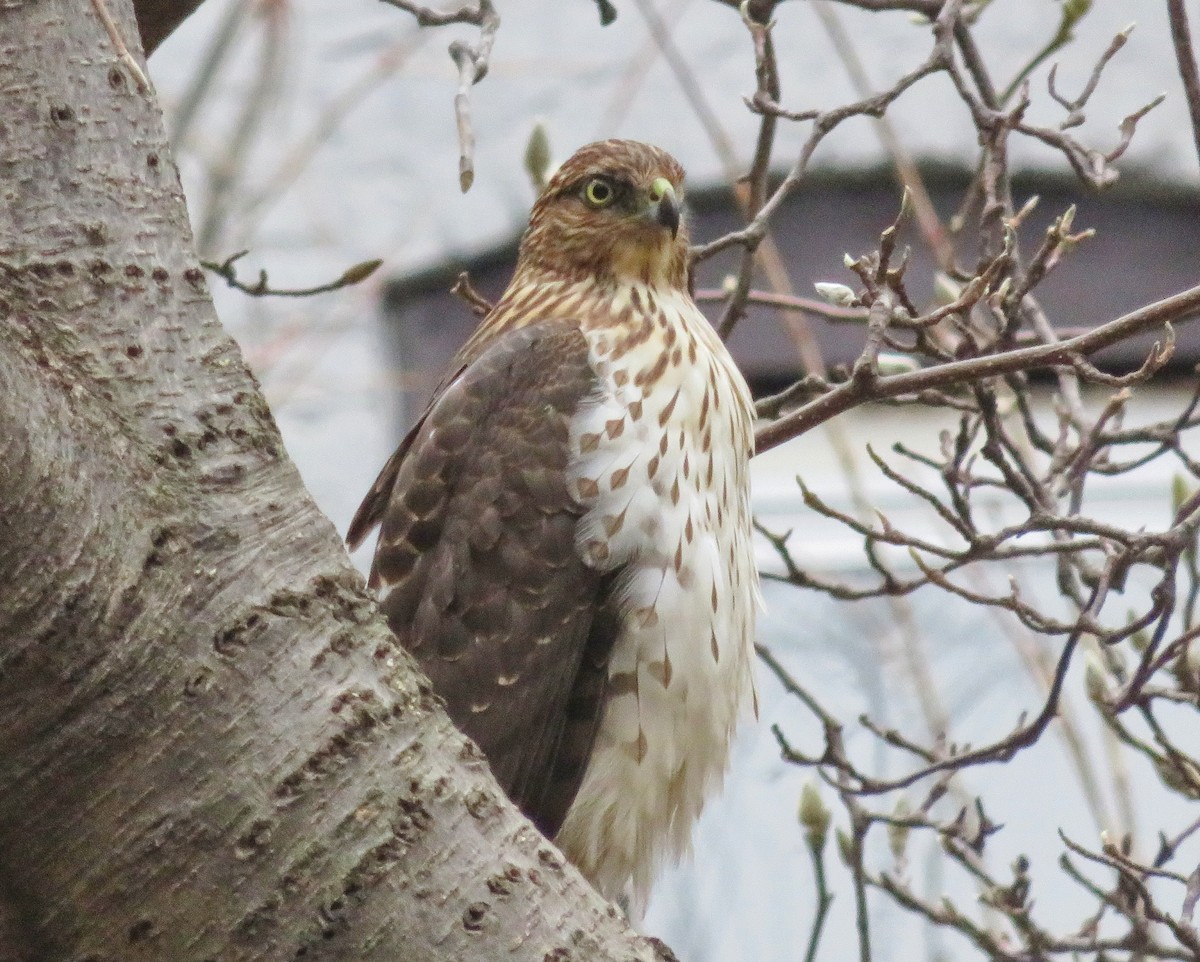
[{"x": 477, "y": 566}]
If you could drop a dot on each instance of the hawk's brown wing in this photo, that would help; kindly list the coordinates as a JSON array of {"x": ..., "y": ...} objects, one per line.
[
  {"x": 370, "y": 512},
  {"x": 478, "y": 570}
]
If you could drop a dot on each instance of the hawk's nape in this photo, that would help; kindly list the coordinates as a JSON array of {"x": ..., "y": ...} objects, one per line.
[{"x": 565, "y": 534}]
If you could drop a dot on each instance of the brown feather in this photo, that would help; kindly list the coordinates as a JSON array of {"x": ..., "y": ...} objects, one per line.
[{"x": 480, "y": 578}]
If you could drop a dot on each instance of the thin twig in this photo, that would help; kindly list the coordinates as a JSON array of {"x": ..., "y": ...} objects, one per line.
[
  {"x": 227, "y": 270},
  {"x": 118, "y": 42},
  {"x": 472, "y": 62},
  {"x": 1185, "y": 58}
]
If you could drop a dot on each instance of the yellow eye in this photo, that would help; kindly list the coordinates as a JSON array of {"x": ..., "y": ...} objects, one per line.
[{"x": 599, "y": 192}]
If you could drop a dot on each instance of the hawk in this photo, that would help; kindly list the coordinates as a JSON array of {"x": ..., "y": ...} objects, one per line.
[{"x": 565, "y": 540}]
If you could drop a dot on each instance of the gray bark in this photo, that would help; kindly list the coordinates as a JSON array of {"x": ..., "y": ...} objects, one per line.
[{"x": 210, "y": 745}]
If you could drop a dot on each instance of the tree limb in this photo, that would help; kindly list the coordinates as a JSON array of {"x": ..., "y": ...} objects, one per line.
[{"x": 851, "y": 393}]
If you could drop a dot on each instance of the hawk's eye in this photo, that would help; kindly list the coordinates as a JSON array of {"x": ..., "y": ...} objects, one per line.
[{"x": 598, "y": 192}]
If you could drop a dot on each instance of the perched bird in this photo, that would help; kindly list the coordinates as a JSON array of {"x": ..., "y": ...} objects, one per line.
[{"x": 565, "y": 534}]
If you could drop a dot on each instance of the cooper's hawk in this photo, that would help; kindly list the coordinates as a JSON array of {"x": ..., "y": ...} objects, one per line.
[{"x": 565, "y": 534}]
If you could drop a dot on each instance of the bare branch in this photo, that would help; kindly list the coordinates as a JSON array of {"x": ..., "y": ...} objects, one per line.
[
  {"x": 227, "y": 270},
  {"x": 1074, "y": 107},
  {"x": 480, "y": 305},
  {"x": 472, "y": 62},
  {"x": 1185, "y": 57},
  {"x": 118, "y": 42},
  {"x": 475, "y": 14},
  {"x": 849, "y": 394}
]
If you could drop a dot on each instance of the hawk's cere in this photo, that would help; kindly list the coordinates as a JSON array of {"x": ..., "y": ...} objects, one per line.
[{"x": 565, "y": 534}]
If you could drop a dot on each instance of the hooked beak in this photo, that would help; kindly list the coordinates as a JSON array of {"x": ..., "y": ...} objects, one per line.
[{"x": 664, "y": 206}]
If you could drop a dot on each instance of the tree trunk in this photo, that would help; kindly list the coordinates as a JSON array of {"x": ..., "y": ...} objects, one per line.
[{"x": 210, "y": 745}]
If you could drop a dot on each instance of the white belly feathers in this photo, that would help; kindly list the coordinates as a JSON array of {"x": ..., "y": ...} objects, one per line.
[{"x": 660, "y": 461}]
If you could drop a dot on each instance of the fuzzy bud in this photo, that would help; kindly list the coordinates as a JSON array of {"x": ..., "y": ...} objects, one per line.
[
  {"x": 839, "y": 295},
  {"x": 1095, "y": 678},
  {"x": 891, "y": 363},
  {"x": 537, "y": 157},
  {"x": 814, "y": 816},
  {"x": 845, "y": 847},
  {"x": 898, "y": 834}
]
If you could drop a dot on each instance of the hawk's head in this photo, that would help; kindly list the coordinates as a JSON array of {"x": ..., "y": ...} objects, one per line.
[{"x": 612, "y": 212}]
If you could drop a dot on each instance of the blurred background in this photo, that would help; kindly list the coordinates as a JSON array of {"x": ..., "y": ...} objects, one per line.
[{"x": 317, "y": 134}]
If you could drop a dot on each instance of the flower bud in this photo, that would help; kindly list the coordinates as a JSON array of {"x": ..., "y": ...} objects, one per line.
[
  {"x": 898, "y": 834},
  {"x": 814, "y": 816},
  {"x": 839, "y": 295}
]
